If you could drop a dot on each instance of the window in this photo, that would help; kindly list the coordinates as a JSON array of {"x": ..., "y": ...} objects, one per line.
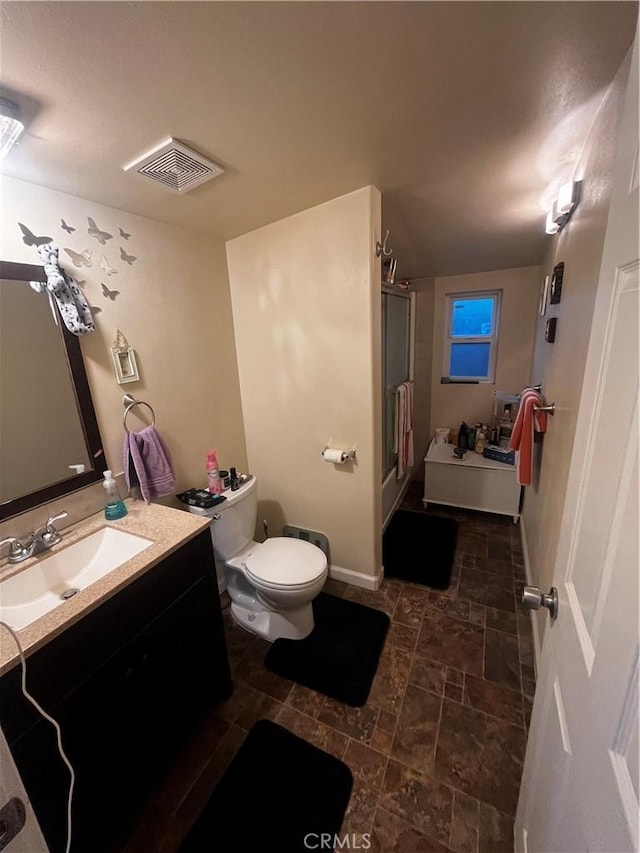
[{"x": 471, "y": 341}]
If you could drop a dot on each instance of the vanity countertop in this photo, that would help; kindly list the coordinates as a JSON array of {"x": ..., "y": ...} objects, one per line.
[{"x": 167, "y": 528}]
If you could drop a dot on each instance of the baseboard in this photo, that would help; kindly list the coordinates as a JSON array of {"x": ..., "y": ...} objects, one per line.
[
  {"x": 529, "y": 576},
  {"x": 356, "y": 578}
]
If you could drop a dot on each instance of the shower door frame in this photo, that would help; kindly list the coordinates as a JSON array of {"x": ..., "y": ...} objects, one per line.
[{"x": 393, "y": 489}]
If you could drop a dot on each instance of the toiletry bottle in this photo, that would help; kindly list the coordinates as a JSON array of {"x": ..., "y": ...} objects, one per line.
[
  {"x": 114, "y": 505},
  {"x": 235, "y": 480},
  {"x": 213, "y": 473},
  {"x": 471, "y": 438},
  {"x": 463, "y": 435}
]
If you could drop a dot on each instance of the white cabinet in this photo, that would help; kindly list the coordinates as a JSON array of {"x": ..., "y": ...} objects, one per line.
[{"x": 472, "y": 483}]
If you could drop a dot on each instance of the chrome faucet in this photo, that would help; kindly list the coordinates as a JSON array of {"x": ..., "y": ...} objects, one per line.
[{"x": 41, "y": 539}]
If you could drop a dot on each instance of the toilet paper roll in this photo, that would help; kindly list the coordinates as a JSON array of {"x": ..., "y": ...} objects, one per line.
[{"x": 332, "y": 454}]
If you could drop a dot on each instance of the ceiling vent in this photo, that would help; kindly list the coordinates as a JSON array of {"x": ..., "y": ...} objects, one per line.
[{"x": 175, "y": 166}]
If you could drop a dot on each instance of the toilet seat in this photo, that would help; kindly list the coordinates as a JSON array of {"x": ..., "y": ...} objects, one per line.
[
  {"x": 284, "y": 563},
  {"x": 279, "y": 587}
]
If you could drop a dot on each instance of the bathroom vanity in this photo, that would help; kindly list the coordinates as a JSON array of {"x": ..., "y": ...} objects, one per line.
[{"x": 125, "y": 676}]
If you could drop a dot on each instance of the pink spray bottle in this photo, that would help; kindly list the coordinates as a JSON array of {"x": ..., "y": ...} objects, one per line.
[{"x": 213, "y": 473}]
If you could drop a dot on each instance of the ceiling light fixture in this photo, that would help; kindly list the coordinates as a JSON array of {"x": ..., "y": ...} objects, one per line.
[
  {"x": 563, "y": 206},
  {"x": 10, "y": 126}
]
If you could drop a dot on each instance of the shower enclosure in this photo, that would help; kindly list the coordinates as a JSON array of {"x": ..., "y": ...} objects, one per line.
[{"x": 397, "y": 367}]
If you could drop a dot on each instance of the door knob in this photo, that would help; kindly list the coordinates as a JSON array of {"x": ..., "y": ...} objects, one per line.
[{"x": 534, "y": 599}]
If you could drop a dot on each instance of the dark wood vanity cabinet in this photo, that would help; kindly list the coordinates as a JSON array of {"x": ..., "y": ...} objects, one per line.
[{"x": 126, "y": 684}]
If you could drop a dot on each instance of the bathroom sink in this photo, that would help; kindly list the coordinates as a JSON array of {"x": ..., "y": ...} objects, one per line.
[{"x": 52, "y": 580}]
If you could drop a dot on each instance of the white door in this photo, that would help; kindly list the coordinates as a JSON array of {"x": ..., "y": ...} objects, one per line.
[{"x": 580, "y": 782}]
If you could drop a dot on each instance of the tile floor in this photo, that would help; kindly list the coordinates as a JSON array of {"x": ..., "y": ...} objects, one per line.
[{"x": 437, "y": 751}]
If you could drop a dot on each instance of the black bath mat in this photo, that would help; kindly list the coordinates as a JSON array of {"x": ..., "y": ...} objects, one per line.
[
  {"x": 287, "y": 790},
  {"x": 420, "y": 548},
  {"x": 340, "y": 656}
]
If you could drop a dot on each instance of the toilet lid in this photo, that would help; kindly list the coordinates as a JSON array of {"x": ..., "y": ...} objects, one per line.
[{"x": 286, "y": 562}]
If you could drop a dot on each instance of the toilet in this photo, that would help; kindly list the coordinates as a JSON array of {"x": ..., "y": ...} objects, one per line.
[{"x": 271, "y": 584}]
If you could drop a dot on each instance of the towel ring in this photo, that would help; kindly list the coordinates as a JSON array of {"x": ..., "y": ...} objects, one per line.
[{"x": 138, "y": 403}]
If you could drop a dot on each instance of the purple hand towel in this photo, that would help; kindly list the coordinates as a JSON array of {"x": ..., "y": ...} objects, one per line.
[{"x": 147, "y": 464}]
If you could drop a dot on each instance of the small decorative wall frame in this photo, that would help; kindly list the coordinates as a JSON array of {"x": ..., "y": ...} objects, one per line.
[
  {"x": 124, "y": 360},
  {"x": 555, "y": 290},
  {"x": 550, "y": 330},
  {"x": 544, "y": 296}
]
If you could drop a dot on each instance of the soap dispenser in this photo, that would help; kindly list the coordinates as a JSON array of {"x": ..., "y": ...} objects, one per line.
[{"x": 114, "y": 507}]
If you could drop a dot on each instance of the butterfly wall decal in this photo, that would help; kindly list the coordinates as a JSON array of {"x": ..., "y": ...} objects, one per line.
[
  {"x": 124, "y": 234},
  {"x": 80, "y": 259},
  {"x": 65, "y": 227},
  {"x": 106, "y": 267},
  {"x": 110, "y": 294},
  {"x": 128, "y": 259},
  {"x": 95, "y": 310},
  {"x": 30, "y": 239},
  {"x": 94, "y": 231}
]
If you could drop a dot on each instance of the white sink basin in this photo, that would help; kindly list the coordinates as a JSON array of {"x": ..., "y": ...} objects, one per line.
[{"x": 31, "y": 593}]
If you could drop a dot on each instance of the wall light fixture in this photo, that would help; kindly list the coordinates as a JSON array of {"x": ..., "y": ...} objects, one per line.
[
  {"x": 563, "y": 206},
  {"x": 10, "y": 126}
]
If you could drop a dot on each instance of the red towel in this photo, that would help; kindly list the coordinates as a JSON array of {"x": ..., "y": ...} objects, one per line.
[{"x": 522, "y": 436}]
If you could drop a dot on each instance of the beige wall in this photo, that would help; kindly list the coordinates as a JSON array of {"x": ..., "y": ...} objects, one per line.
[
  {"x": 174, "y": 307},
  {"x": 306, "y": 306},
  {"x": 560, "y": 366},
  {"x": 451, "y": 404},
  {"x": 423, "y": 364},
  {"x": 35, "y": 392}
]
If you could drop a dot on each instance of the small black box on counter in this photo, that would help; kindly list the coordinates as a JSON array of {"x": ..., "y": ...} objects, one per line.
[{"x": 500, "y": 454}]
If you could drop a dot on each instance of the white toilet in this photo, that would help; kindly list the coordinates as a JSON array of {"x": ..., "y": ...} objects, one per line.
[{"x": 271, "y": 584}]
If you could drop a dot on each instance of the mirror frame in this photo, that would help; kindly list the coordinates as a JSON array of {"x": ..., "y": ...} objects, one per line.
[{"x": 33, "y": 272}]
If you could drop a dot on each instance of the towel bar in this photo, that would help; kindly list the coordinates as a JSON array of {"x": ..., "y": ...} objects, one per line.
[{"x": 549, "y": 410}]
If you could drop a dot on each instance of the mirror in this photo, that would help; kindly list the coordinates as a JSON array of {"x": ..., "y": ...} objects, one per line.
[{"x": 47, "y": 419}]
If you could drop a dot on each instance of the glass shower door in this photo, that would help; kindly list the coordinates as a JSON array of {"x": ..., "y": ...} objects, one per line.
[{"x": 395, "y": 366}]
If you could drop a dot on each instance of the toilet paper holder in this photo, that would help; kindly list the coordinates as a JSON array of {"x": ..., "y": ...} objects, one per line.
[{"x": 345, "y": 454}]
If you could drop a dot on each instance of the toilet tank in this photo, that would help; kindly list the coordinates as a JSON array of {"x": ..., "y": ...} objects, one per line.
[{"x": 236, "y": 525}]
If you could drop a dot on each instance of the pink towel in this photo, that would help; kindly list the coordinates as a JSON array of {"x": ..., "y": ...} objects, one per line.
[
  {"x": 403, "y": 428},
  {"x": 522, "y": 436},
  {"x": 147, "y": 464}
]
